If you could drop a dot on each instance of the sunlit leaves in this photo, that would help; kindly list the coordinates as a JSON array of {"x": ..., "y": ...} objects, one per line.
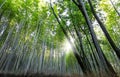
[{"x": 34, "y": 23}]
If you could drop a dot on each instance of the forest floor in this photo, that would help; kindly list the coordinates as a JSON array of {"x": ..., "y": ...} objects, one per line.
[
  {"x": 3, "y": 74},
  {"x": 35, "y": 75}
]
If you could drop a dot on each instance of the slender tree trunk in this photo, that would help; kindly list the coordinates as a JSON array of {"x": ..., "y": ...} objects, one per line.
[
  {"x": 116, "y": 49},
  {"x": 94, "y": 38},
  {"x": 42, "y": 56},
  {"x": 115, "y": 7},
  {"x": 74, "y": 50},
  {"x": 1, "y": 14}
]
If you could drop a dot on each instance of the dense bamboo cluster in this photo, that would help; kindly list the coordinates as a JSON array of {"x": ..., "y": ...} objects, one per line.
[{"x": 33, "y": 38}]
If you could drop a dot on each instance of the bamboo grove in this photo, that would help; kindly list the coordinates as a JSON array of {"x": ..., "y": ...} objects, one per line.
[{"x": 64, "y": 37}]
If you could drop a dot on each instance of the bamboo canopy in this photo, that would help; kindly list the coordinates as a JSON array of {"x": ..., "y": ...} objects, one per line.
[{"x": 59, "y": 38}]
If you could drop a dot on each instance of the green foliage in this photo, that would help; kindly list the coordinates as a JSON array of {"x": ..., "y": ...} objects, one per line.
[
  {"x": 32, "y": 22},
  {"x": 70, "y": 60}
]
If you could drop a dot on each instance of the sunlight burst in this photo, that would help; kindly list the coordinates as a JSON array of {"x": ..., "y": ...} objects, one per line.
[{"x": 67, "y": 46}]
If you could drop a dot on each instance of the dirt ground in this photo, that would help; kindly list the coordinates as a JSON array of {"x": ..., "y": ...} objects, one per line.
[{"x": 36, "y": 75}]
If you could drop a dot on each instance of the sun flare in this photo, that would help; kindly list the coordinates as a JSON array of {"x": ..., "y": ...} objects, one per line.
[{"x": 67, "y": 46}]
